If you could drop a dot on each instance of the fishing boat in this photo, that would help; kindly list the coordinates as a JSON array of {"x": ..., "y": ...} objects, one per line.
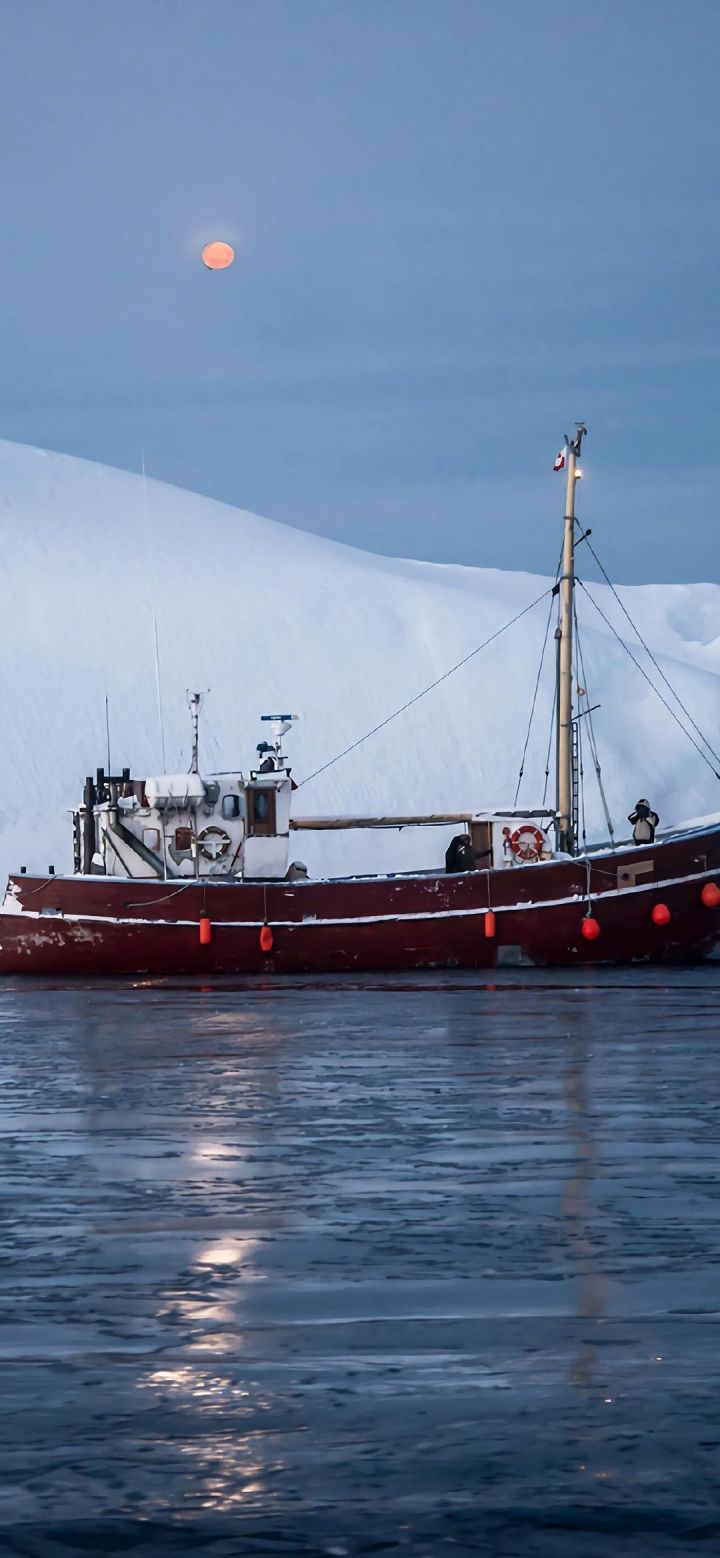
[{"x": 192, "y": 873}]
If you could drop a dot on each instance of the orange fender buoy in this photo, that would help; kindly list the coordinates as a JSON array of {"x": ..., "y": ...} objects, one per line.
[
  {"x": 266, "y": 939},
  {"x": 661, "y": 914},
  {"x": 205, "y": 931},
  {"x": 590, "y": 928},
  {"x": 489, "y": 923},
  {"x": 710, "y": 895}
]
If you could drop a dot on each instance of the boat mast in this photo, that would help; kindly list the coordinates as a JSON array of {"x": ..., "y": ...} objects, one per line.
[{"x": 565, "y": 838}]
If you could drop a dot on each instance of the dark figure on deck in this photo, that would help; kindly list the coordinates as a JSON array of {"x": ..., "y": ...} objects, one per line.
[
  {"x": 459, "y": 855},
  {"x": 266, "y": 754},
  {"x": 644, "y": 822}
]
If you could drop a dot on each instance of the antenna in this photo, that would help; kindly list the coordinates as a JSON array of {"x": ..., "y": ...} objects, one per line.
[
  {"x": 107, "y": 732},
  {"x": 195, "y": 699},
  {"x": 279, "y": 724},
  {"x": 159, "y": 693},
  {"x": 155, "y": 626}
]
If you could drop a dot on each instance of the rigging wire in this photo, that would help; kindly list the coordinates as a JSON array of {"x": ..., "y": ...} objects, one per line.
[
  {"x": 649, "y": 680},
  {"x": 549, "y": 748},
  {"x": 592, "y": 742},
  {"x": 553, "y": 710},
  {"x": 649, "y": 652},
  {"x": 577, "y": 724},
  {"x": 537, "y": 685},
  {"x": 581, "y": 785},
  {"x": 418, "y": 695},
  {"x": 534, "y": 701}
]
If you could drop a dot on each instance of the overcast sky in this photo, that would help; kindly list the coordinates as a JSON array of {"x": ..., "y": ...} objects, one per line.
[{"x": 460, "y": 226}]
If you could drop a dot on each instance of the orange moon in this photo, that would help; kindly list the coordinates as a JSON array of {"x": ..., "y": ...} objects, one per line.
[{"x": 217, "y": 256}]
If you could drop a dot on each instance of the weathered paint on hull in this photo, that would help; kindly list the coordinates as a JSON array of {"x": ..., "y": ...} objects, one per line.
[{"x": 109, "y": 926}]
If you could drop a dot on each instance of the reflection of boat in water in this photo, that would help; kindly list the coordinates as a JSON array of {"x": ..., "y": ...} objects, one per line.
[{"x": 191, "y": 873}]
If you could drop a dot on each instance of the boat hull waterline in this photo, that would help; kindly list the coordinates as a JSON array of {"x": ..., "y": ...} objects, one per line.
[{"x": 101, "y": 925}]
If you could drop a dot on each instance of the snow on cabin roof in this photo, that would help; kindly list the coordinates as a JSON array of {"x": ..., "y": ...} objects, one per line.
[
  {"x": 174, "y": 787},
  {"x": 516, "y": 812}
]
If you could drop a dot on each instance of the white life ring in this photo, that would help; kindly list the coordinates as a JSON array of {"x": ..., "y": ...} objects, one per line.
[
  {"x": 527, "y": 842},
  {"x": 213, "y": 842}
]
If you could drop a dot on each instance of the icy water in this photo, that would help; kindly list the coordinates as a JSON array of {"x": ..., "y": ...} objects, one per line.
[{"x": 419, "y": 1267}]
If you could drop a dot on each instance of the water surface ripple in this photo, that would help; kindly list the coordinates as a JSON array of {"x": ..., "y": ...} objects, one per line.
[{"x": 341, "y": 1268}]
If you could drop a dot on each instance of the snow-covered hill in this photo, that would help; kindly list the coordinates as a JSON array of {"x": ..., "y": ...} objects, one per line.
[{"x": 272, "y": 619}]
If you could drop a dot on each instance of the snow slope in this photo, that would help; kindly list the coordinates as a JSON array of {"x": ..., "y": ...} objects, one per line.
[{"x": 272, "y": 619}]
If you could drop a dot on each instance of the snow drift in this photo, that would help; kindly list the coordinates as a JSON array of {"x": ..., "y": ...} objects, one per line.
[{"x": 272, "y": 619}]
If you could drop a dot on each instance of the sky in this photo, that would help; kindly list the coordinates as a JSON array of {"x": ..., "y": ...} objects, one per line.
[{"x": 460, "y": 228}]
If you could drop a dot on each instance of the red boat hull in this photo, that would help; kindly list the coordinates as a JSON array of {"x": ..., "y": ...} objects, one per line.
[{"x": 96, "y": 925}]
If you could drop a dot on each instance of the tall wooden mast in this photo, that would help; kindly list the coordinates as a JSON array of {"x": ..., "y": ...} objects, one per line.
[{"x": 565, "y": 838}]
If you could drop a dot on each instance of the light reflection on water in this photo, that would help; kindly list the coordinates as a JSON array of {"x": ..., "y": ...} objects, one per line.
[
  {"x": 227, "y": 1252},
  {"x": 371, "y": 1264}
]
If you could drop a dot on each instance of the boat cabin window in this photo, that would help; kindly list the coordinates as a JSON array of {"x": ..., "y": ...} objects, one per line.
[
  {"x": 261, "y": 811},
  {"x": 183, "y": 840},
  {"x": 230, "y": 806},
  {"x": 151, "y": 838}
]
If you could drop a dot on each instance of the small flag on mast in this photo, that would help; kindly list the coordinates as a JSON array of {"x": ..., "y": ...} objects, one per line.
[{"x": 559, "y": 461}]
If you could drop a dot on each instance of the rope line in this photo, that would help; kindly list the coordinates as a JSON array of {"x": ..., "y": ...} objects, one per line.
[
  {"x": 192, "y": 881},
  {"x": 579, "y": 730},
  {"x": 549, "y": 747},
  {"x": 591, "y": 737},
  {"x": 648, "y": 679},
  {"x": 581, "y": 776},
  {"x": 425, "y": 690},
  {"x": 537, "y": 684},
  {"x": 534, "y": 701},
  {"x": 649, "y": 652}
]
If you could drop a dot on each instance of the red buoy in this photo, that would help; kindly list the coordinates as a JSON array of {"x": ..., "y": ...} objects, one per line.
[
  {"x": 489, "y": 921},
  {"x": 710, "y": 895},
  {"x": 266, "y": 939},
  {"x": 661, "y": 914},
  {"x": 590, "y": 928},
  {"x": 205, "y": 931}
]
